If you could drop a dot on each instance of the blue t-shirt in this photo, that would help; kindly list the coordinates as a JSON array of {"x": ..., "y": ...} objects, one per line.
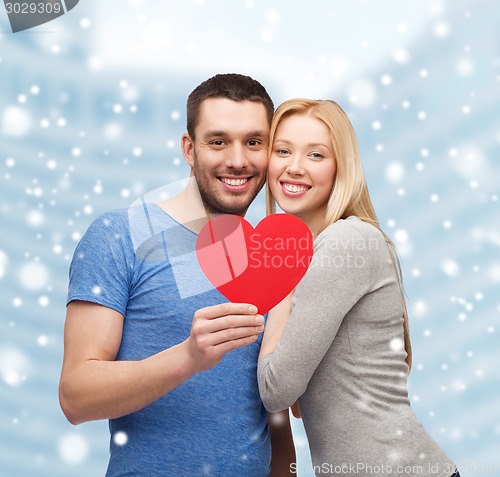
[{"x": 142, "y": 263}]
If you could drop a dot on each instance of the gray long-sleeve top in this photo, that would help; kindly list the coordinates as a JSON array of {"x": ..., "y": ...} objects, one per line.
[{"x": 342, "y": 355}]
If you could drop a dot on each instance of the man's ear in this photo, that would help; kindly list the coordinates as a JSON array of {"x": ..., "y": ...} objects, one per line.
[{"x": 187, "y": 146}]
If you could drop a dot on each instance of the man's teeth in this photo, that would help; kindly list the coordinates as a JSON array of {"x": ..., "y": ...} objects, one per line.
[
  {"x": 294, "y": 187},
  {"x": 234, "y": 182}
]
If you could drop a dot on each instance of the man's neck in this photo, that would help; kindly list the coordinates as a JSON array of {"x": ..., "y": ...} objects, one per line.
[{"x": 188, "y": 209}]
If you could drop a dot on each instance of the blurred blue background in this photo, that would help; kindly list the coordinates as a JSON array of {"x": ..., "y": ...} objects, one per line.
[{"x": 91, "y": 113}]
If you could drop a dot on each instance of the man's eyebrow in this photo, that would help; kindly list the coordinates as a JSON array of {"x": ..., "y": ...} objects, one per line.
[
  {"x": 220, "y": 133},
  {"x": 215, "y": 133},
  {"x": 258, "y": 133}
]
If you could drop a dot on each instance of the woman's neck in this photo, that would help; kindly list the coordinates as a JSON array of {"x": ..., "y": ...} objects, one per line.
[{"x": 314, "y": 221}]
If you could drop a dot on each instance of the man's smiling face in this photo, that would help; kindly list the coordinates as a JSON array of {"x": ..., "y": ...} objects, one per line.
[{"x": 229, "y": 153}]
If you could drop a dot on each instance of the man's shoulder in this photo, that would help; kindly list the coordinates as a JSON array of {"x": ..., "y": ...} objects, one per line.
[
  {"x": 116, "y": 220},
  {"x": 115, "y": 216},
  {"x": 108, "y": 227}
]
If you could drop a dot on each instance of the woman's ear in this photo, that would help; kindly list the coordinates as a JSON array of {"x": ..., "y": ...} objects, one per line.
[{"x": 187, "y": 146}]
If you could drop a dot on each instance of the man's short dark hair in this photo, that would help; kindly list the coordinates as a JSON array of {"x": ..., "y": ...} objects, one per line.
[{"x": 231, "y": 86}]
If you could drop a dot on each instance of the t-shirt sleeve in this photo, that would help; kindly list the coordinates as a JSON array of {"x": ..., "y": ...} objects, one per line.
[
  {"x": 339, "y": 275},
  {"x": 101, "y": 269}
]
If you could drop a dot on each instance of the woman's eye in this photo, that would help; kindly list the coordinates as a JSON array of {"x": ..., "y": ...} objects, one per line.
[
  {"x": 317, "y": 155},
  {"x": 282, "y": 151}
]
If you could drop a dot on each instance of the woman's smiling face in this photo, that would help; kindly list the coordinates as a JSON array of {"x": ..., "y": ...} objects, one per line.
[{"x": 302, "y": 167}]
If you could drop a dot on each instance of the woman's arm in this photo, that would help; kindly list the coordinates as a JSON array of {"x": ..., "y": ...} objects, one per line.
[
  {"x": 338, "y": 277},
  {"x": 276, "y": 322}
]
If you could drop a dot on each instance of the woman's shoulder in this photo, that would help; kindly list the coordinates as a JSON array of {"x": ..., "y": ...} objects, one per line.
[
  {"x": 353, "y": 228},
  {"x": 353, "y": 238}
]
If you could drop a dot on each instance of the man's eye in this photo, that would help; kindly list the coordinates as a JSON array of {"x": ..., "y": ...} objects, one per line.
[
  {"x": 254, "y": 142},
  {"x": 217, "y": 142}
]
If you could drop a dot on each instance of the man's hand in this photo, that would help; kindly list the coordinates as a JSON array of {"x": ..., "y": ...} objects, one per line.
[
  {"x": 218, "y": 329},
  {"x": 295, "y": 410},
  {"x": 282, "y": 448}
]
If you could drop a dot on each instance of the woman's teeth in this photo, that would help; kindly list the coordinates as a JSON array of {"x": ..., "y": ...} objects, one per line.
[{"x": 294, "y": 187}]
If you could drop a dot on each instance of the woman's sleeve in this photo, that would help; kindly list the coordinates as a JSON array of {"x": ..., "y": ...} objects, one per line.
[{"x": 337, "y": 278}]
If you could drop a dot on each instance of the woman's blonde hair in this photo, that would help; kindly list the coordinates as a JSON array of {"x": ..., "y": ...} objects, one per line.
[{"x": 350, "y": 194}]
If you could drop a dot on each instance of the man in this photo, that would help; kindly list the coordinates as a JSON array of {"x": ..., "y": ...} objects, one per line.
[{"x": 173, "y": 366}]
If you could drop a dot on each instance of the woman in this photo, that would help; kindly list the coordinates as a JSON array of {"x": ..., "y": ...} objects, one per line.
[{"x": 341, "y": 345}]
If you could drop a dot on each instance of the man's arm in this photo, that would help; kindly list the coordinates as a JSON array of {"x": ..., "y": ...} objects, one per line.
[
  {"x": 282, "y": 448},
  {"x": 95, "y": 386}
]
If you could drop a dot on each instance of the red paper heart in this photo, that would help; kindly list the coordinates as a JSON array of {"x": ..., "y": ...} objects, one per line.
[{"x": 260, "y": 266}]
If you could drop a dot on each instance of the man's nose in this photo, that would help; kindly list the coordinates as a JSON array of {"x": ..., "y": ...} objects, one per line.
[{"x": 237, "y": 157}]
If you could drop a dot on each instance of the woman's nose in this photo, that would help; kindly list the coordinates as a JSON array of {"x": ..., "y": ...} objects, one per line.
[{"x": 295, "y": 166}]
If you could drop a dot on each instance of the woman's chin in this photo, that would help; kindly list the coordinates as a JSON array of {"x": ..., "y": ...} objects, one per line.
[{"x": 289, "y": 210}]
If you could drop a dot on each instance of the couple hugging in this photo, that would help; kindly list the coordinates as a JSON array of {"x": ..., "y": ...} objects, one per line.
[{"x": 187, "y": 379}]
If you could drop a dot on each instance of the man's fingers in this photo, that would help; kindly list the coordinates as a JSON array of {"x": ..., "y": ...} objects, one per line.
[
  {"x": 228, "y": 322},
  {"x": 227, "y": 346},
  {"x": 224, "y": 309},
  {"x": 233, "y": 334},
  {"x": 218, "y": 329}
]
